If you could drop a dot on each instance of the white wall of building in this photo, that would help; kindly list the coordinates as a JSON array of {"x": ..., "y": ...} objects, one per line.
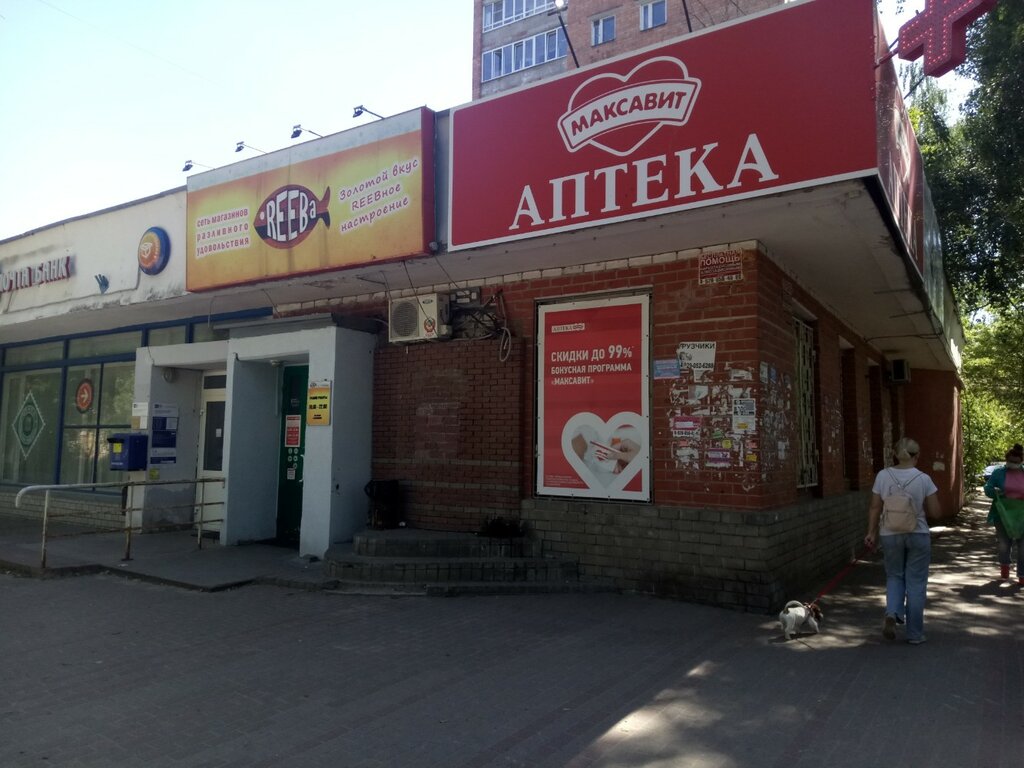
[
  {"x": 173, "y": 375},
  {"x": 337, "y": 460},
  {"x": 105, "y": 243}
]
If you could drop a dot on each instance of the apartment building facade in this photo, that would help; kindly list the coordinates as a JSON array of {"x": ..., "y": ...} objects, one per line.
[{"x": 517, "y": 42}]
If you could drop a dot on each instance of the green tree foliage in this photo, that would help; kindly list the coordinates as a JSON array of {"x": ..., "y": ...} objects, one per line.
[
  {"x": 993, "y": 401},
  {"x": 976, "y": 167}
]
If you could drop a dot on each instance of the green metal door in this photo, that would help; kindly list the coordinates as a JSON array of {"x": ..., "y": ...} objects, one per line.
[{"x": 295, "y": 383}]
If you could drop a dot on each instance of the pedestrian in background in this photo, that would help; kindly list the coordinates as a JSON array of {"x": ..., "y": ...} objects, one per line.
[
  {"x": 907, "y": 556},
  {"x": 1007, "y": 481}
]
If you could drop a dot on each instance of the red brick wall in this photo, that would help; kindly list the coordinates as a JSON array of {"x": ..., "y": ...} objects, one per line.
[
  {"x": 933, "y": 419},
  {"x": 845, "y": 419},
  {"x": 447, "y": 424},
  {"x": 863, "y": 419},
  {"x": 456, "y": 425}
]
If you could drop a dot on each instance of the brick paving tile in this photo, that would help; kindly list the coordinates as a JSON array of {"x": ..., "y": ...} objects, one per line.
[{"x": 99, "y": 670}]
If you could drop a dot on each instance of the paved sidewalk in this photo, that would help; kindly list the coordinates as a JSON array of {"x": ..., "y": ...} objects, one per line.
[
  {"x": 170, "y": 557},
  {"x": 107, "y": 671}
]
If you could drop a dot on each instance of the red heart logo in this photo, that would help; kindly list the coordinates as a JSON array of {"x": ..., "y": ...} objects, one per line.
[{"x": 619, "y": 113}]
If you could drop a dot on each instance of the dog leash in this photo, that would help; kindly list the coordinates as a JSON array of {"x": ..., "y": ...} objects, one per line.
[{"x": 842, "y": 574}]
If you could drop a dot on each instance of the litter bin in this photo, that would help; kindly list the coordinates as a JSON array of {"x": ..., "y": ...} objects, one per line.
[
  {"x": 127, "y": 451},
  {"x": 385, "y": 503}
]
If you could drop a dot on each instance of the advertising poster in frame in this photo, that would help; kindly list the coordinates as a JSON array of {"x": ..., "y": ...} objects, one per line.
[{"x": 593, "y": 405}]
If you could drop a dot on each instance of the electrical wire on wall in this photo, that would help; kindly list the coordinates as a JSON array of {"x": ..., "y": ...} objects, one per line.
[
  {"x": 412, "y": 285},
  {"x": 487, "y": 320},
  {"x": 505, "y": 341}
]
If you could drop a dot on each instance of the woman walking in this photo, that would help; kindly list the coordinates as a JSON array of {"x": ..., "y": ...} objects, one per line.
[
  {"x": 907, "y": 555},
  {"x": 1007, "y": 481}
]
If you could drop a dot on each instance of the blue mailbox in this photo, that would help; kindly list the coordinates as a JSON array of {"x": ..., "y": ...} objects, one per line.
[{"x": 127, "y": 450}]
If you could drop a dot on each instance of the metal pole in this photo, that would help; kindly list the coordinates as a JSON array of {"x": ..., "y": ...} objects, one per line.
[
  {"x": 202, "y": 505},
  {"x": 130, "y": 502},
  {"x": 46, "y": 515},
  {"x": 687, "y": 12},
  {"x": 568, "y": 39}
]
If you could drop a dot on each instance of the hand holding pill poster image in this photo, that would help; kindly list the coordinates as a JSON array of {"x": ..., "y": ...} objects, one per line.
[{"x": 593, "y": 403}]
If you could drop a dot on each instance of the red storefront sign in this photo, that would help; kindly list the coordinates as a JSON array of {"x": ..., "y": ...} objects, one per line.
[
  {"x": 778, "y": 102},
  {"x": 593, "y": 404}
]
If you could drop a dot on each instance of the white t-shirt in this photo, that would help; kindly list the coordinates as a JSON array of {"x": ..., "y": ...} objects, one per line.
[{"x": 920, "y": 487}]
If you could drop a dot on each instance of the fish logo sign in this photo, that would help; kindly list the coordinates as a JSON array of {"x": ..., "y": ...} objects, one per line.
[
  {"x": 289, "y": 215},
  {"x": 619, "y": 113}
]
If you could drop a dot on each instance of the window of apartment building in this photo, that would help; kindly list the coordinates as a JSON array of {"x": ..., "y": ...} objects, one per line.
[
  {"x": 503, "y": 12},
  {"x": 602, "y": 30},
  {"x": 523, "y": 54},
  {"x": 652, "y": 14}
]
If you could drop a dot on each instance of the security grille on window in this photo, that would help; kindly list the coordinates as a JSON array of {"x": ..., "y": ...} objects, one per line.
[
  {"x": 807, "y": 449},
  {"x": 523, "y": 54},
  {"x": 652, "y": 14},
  {"x": 602, "y": 30}
]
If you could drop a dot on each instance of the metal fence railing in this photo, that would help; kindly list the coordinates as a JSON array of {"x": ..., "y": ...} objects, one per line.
[{"x": 199, "y": 507}]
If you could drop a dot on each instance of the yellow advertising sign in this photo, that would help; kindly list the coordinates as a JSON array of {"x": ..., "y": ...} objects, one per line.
[
  {"x": 355, "y": 205},
  {"x": 318, "y": 404}
]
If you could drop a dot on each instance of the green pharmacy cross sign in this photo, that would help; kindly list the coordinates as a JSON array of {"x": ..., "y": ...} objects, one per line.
[{"x": 28, "y": 425}]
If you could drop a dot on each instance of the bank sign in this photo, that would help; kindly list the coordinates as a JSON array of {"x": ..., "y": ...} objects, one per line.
[
  {"x": 780, "y": 101},
  {"x": 345, "y": 200}
]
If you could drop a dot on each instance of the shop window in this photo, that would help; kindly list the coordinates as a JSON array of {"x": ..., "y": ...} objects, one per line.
[
  {"x": 206, "y": 332},
  {"x": 101, "y": 346},
  {"x": 117, "y": 393},
  {"x": 28, "y": 426},
  {"x": 97, "y": 404},
  {"x": 34, "y": 353},
  {"x": 163, "y": 337}
]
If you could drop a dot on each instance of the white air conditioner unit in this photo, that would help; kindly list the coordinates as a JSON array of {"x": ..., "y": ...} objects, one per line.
[{"x": 418, "y": 318}]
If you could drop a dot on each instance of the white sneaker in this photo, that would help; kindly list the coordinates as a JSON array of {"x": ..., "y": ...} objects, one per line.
[{"x": 917, "y": 640}]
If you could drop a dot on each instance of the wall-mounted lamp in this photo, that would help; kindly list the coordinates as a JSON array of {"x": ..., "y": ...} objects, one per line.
[
  {"x": 170, "y": 375},
  {"x": 563, "y": 5},
  {"x": 189, "y": 165},
  {"x": 242, "y": 145},
  {"x": 102, "y": 282},
  {"x": 298, "y": 130},
  {"x": 360, "y": 109}
]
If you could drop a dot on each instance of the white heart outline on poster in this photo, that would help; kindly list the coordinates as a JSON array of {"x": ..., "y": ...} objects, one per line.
[{"x": 604, "y": 429}]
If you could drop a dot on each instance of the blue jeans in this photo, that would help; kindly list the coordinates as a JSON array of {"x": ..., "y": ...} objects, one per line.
[
  {"x": 1004, "y": 544},
  {"x": 907, "y": 557}
]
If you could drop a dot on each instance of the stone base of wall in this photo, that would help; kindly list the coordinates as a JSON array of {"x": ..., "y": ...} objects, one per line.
[
  {"x": 101, "y": 511},
  {"x": 753, "y": 561}
]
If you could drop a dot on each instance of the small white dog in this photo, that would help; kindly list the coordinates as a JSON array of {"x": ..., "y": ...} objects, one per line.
[{"x": 795, "y": 617}]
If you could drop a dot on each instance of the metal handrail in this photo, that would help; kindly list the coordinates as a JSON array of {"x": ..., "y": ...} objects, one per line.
[{"x": 128, "y": 527}]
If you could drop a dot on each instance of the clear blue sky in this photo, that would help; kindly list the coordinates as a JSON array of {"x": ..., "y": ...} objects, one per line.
[{"x": 102, "y": 101}]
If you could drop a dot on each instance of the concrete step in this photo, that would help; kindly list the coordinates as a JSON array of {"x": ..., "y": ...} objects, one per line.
[
  {"x": 464, "y": 588},
  {"x": 348, "y": 566},
  {"x": 411, "y": 542}
]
